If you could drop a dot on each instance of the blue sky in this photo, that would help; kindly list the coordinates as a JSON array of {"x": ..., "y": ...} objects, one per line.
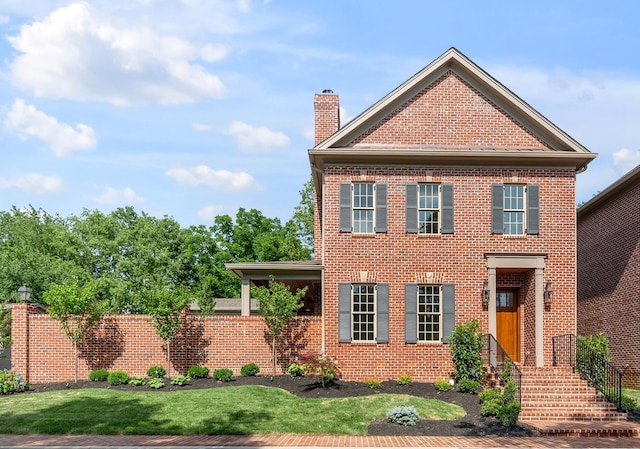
[{"x": 195, "y": 108}]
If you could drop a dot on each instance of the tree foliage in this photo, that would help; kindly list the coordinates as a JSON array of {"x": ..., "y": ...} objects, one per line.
[
  {"x": 77, "y": 308},
  {"x": 277, "y": 307},
  {"x": 303, "y": 215},
  {"x": 466, "y": 351},
  {"x": 5, "y": 326}
]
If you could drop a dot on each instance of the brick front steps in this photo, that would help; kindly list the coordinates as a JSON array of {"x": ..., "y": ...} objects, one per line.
[{"x": 555, "y": 401}]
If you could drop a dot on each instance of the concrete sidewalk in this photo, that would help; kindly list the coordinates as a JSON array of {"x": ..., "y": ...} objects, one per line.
[{"x": 316, "y": 441}]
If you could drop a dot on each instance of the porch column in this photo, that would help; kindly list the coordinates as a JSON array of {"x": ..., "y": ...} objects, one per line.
[
  {"x": 245, "y": 297},
  {"x": 539, "y": 316},
  {"x": 493, "y": 329}
]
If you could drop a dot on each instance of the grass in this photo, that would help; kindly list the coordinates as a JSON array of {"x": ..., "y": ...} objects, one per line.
[
  {"x": 633, "y": 394},
  {"x": 218, "y": 411}
]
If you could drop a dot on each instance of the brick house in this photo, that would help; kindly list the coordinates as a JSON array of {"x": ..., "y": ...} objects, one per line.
[
  {"x": 447, "y": 200},
  {"x": 609, "y": 271}
]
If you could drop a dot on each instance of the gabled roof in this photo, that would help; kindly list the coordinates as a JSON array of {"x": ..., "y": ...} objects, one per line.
[
  {"x": 561, "y": 150},
  {"x": 615, "y": 190}
]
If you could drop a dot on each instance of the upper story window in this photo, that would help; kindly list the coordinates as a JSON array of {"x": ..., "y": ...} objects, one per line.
[
  {"x": 515, "y": 209},
  {"x": 363, "y": 207},
  {"x": 429, "y": 208},
  {"x": 363, "y": 312}
]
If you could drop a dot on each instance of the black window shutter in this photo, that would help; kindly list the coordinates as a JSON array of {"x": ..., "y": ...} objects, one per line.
[
  {"x": 448, "y": 311},
  {"x": 344, "y": 310},
  {"x": 345, "y": 207},
  {"x": 410, "y": 313},
  {"x": 382, "y": 313},
  {"x": 411, "y": 208},
  {"x": 497, "y": 208},
  {"x": 447, "y": 209},
  {"x": 381, "y": 208},
  {"x": 533, "y": 209}
]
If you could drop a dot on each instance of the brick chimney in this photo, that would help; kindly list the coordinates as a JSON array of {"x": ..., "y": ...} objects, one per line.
[{"x": 327, "y": 115}]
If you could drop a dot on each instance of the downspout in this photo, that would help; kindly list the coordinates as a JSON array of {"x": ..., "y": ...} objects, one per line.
[{"x": 322, "y": 286}]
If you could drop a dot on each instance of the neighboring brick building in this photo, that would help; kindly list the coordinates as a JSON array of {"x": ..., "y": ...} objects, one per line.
[
  {"x": 448, "y": 190},
  {"x": 609, "y": 271}
]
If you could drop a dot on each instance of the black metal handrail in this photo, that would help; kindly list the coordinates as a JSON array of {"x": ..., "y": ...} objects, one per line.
[
  {"x": 501, "y": 363},
  {"x": 590, "y": 364}
]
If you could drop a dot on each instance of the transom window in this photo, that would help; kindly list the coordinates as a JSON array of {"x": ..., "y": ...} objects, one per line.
[
  {"x": 363, "y": 208},
  {"x": 514, "y": 209},
  {"x": 429, "y": 313},
  {"x": 428, "y": 208},
  {"x": 363, "y": 312}
]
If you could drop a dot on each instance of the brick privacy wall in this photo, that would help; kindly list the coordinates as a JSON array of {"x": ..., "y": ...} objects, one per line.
[
  {"x": 327, "y": 116},
  {"x": 43, "y": 354},
  {"x": 609, "y": 279},
  {"x": 469, "y": 119},
  {"x": 398, "y": 258}
]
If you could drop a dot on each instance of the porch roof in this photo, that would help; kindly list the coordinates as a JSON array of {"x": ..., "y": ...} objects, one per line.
[{"x": 286, "y": 269}]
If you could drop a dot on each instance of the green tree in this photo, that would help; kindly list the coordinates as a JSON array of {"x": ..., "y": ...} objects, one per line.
[
  {"x": 77, "y": 308},
  {"x": 303, "y": 215},
  {"x": 277, "y": 307},
  {"x": 466, "y": 351},
  {"x": 166, "y": 307},
  {"x": 5, "y": 326}
]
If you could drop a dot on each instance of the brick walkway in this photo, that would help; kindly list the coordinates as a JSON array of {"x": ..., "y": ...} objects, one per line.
[{"x": 327, "y": 441}]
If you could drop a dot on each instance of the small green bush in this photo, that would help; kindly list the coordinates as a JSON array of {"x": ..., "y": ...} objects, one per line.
[
  {"x": 466, "y": 345},
  {"x": 295, "y": 370},
  {"x": 156, "y": 382},
  {"x": 404, "y": 415},
  {"x": 628, "y": 404},
  {"x": 137, "y": 381},
  {"x": 404, "y": 380},
  {"x": 223, "y": 374},
  {"x": 118, "y": 378},
  {"x": 250, "y": 369},
  {"x": 12, "y": 382},
  {"x": 490, "y": 394},
  {"x": 508, "y": 414},
  {"x": 180, "y": 380},
  {"x": 442, "y": 385},
  {"x": 98, "y": 375},
  {"x": 491, "y": 401},
  {"x": 509, "y": 392},
  {"x": 468, "y": 386},
  {"x": 156, "y": 371},
  {"x": 198, "y": 372},
  {"x": 374, "y": 384}
]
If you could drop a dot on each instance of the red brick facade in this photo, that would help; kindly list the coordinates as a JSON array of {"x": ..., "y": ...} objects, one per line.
[
  {"x": 42, "y": 353},
  {"x": 609, "y": 272}
]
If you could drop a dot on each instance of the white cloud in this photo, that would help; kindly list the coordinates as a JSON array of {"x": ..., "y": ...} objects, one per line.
[
  {"x": 33, "y": 183},
  {"x": 213, "y": 53},
  {"x": 79, "y": 53},
  {"x": 201, "y": 127},
  {"x": 626, "y": 159},
  {"x": 209, "y": 213},
  {"x": 26, "y": 121},
  {"x": 114, "y": 197},
  {"x": 257, "y": 138},
  {"x": 216, "y": 179}
]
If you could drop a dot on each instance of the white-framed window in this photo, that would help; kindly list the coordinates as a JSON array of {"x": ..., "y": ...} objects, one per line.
[
  {"x": 363, "y": 207},
  {"x": 363, "y": 312},
  {"x": 429, "y": 208},
  {"x": 429, "y": 313},
  {"x": 514, "y": 209}
]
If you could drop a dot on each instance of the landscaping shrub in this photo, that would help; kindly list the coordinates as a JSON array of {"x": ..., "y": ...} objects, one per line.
[
  {"x": 374, "y": 384},
  {"x": 180, "y": 380},
  {"x": 468, "y": 386},
  {"x": 223, "y": 374},
  {"x": 295, "y": 370},
  {"x": 442, "y": 385},
  {"x": 118, "y": 378},
  {"x": 405, "y": 415},
  {"x": 628, "y": 404},
  {"x": 198, "y": 372},
  {"x": 137, "y": 381},
  {"x": 404, "y": 379},
  {"x": 250, "y": 369},
  {"x": 156, "y": 382},
  {"x": 509, "y": 392},
  {"x": 491, "y": 401},
  {"x": 508, "y": 414},
  {"x": 156, "y": 371},
  {"x": 322, "y": 367},
  {"x": 466, "y": 351},
  {"x": 12, "y": 382},
  {"x": 98, "y": 375}
]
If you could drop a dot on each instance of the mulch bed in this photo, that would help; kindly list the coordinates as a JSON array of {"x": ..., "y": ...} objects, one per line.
[{"x": 473, "y": 424}]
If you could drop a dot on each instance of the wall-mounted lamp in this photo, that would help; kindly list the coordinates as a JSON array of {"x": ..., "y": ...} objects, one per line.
[
  {"x": 25, "y": 293},
  {"x": 548, "y": 294},
  {"x": 485, "y": 293}
]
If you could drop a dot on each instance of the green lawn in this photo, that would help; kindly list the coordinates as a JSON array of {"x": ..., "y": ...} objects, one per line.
[
  {"x": 225, "y": 411},
  {"x": 633, "y": 394}
]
